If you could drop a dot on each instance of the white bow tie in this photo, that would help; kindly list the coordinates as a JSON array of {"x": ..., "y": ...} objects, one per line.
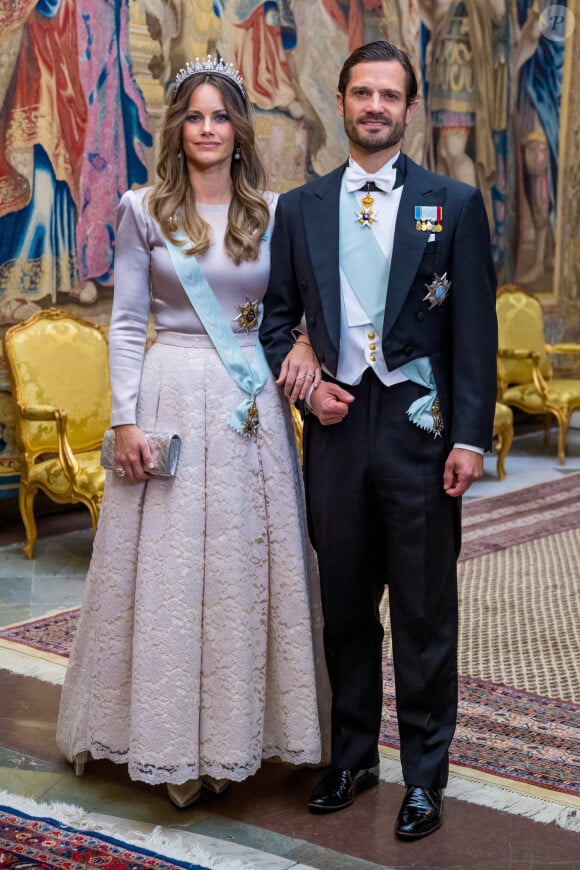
[{"x": 355, "y": 178}]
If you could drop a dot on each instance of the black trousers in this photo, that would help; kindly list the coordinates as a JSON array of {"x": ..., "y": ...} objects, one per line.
[{"x": 378, "y": 516}]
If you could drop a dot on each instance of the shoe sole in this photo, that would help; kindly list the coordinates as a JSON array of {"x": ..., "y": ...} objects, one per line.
[
  {"x": 403, "y": 836},
  {"x": 364, "y": 783}
]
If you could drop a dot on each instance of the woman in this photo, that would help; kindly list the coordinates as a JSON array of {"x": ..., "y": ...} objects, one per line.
[{"x": 194, "y": 658}]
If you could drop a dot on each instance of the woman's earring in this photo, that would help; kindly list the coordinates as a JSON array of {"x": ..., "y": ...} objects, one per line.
[{"x": 237, "y": 153}]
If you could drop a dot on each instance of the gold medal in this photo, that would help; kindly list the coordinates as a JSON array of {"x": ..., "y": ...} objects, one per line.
[
  {"x": 366, "y": 216},
  {"x": 248, "y": 316},
  {"x": 251, "y": 423},
  {"x": 429, "y": 218}
]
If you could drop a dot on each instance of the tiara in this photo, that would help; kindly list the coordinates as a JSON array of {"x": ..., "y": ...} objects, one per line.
[{"x": 212, "y": 66}]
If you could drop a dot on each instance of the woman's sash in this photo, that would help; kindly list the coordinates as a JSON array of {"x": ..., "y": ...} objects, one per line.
[{"x": 249, "y": 378}]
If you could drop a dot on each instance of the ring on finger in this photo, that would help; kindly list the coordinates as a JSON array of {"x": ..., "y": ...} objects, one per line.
[
  {"x": 310, "y": 375},
  {"x": 301, "y": 377},
  {"x": 120, "y": 471}
]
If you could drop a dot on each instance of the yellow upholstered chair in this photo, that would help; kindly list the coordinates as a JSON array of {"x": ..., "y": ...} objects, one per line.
[
  {"x": 503, "y": 430},
  {"x": 525, "y": 376},
  {"x": 59, "y": 372}
]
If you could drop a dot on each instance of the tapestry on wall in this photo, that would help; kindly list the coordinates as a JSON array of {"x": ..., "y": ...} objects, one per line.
[{"x": 78, "y": 122}]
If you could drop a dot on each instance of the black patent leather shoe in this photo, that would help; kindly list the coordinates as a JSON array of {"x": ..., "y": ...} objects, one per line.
[
  {"x": 339, "y": 787},
  {"x": 420, "y": 812}
]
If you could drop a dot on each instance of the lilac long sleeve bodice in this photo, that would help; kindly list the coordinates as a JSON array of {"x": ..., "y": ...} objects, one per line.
[{"x": 146, "y": 285}]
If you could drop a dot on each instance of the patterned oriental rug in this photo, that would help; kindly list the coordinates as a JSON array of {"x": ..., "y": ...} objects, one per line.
[
  {"x": 47, "y": 638},
  {"x": 491, "y": 524},
  {"x": 62, "y": 837},
  {"x": 517, "y": 744},
  {"x": 30, "y": 841}
]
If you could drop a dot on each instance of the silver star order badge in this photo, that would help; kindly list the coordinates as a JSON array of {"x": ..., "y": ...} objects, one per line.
[
  {"x": 437, "y": 290},
  {"x": 248, "y": 316},
  {"x": 438, "y": 426}
]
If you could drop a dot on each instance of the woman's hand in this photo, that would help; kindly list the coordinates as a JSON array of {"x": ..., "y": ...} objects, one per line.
[
  {"x": 133, "y": 456},
  {"x": 300, "y": 370}
]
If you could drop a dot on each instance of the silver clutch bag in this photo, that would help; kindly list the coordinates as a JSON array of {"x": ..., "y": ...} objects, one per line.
[{"x": 165, "y": 445}]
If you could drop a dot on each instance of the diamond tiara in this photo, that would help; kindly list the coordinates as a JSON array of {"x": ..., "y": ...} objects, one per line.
[{"x": 211, "y": 66}]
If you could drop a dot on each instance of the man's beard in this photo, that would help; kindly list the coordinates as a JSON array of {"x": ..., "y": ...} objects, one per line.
[{"x": 379, "y": 140}]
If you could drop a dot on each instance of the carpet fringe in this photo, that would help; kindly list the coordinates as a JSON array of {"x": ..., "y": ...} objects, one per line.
[
  {"x": 171, "y": 843},
  {"x": 30, "y": 666},
  {"x": 497, "y": 797},
  {"x": 509, "y": 801}
]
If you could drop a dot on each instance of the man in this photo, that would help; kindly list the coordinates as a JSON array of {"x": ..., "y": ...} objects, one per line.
[{"x": 398, "y": 293}]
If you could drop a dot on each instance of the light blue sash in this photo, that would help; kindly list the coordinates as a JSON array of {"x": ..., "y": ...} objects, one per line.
[
  {"x": 367, "y": 270},
  {"x": 250, "y": 378},
  {"x": 362, "y": 261},
  {"x": 424, "y": 412}
]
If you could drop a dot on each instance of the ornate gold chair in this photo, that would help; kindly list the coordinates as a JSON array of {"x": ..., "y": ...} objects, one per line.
[
  {"x": 525, "y": 376},
  {"x": 59, "y": 372},
  {"x": 503, "y": 430}
]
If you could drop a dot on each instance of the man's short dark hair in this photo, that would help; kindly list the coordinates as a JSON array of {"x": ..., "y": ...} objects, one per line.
[{"x": 377, "y": 51}]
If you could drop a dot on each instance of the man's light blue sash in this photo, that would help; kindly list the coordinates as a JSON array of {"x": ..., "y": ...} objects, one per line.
[
  {"x": 367, "y": 270},
  {"x": 362, "y": 261},
  {"x": 250, "y": 378},
  {"x": 424, "y": 412}
]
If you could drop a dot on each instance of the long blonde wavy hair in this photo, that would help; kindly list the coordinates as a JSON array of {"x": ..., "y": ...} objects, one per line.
[{"x": 172, "y": 199}]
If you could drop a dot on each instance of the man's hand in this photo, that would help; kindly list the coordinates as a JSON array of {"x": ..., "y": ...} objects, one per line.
[
  {"x": 330, "y": 403},
  {"x": 461, "y": 469}
]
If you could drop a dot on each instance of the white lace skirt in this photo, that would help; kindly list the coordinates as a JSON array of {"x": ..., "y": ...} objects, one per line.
[{"x": 195, "y": 652}]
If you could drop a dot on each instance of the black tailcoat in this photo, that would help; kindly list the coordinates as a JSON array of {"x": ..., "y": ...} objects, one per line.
[{"x": 377, "y": 511}]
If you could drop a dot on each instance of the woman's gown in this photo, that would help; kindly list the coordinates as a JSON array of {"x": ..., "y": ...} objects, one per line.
[{"x": 195, "y": 653}]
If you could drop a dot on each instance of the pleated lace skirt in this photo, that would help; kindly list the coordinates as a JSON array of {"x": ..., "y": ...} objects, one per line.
[{"x": 199, "y": 644}]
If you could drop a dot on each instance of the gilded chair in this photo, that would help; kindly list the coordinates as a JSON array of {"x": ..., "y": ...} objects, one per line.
[
  {"x": 503, "y": 430},
  {"x": 525, "y": 375},
  {"x": 59, "y": 373}
]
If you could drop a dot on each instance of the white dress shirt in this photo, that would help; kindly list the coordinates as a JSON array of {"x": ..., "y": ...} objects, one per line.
[{"x": 360, "y": 345}]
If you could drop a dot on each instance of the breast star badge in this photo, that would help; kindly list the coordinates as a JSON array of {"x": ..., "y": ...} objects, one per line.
[
  {"x": 437, "y": 290},
  {"x": 248, "y": 316}
]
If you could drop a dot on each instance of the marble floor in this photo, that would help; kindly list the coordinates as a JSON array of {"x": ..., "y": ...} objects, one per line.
[{"x": 263, "y": 821}]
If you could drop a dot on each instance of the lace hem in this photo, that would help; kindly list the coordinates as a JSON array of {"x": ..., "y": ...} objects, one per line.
[{"x": 180, "y": 773}]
